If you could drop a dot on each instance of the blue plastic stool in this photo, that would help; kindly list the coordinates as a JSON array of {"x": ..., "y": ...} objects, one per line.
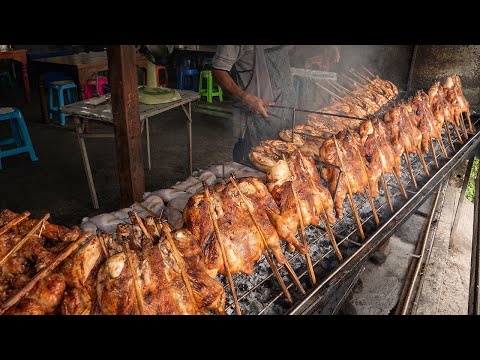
[
  {"x": 187, "y": 69},
  {"x": 60, "y": 86},
  {"x": 20, "y": 136}
]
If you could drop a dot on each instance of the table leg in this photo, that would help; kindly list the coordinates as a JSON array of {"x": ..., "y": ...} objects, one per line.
[
  {"x": 148, "y": 144},
  {"x": 188, "y": 113},
  {"x": 43, "y": 101},
  {"x": 26, "y": 83},
  {"x": 86, "y": 163}
]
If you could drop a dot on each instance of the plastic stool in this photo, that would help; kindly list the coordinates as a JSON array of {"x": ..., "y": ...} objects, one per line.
[
  {"x": 20, "y": 136},
  {"x": 157, "y": 72},
  {"x": 208, "y": 91},
  {"x": 60, "y": 86},
  {"x": 187, "y": 69},
  {"x": 98, "y": 83}
]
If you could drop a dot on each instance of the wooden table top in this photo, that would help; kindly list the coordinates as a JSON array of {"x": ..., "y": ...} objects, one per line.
[
  {"x": 82, "y": 59},
  {"x": 7, "y": 54}
]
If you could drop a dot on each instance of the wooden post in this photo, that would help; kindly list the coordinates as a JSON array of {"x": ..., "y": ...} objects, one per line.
[{"x": 126, "y": 116}]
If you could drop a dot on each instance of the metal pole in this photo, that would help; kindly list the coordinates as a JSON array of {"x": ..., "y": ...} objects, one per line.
[
  {"x": 474, "y": 290},
  {"x": 412, "y": 66}
]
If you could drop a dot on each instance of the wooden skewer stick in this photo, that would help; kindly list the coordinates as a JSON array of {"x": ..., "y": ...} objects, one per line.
[
  {"x": 136, "y": 285},
  {"x": 455, "y": 128},
  {"x": 422, "y": 160},
  {"x": 350, "y": 195},
  {"x": 359, "y": 77},
  {"x": 146, "y": 209},
  {"x": 85, "y": 238},
  {"x": 303, "y": 236},
  {"x": 470, "y": 125},
  {"x": 351, "y": 81},
  {"x": 462, "y": 124},
  {"x": 442, "y": 147},
  {"x": 349, "y": 92},
  {"x": 14, "y": 222},
  {"x": 406, "y": 156},
  {"x": 340, "y": 89},
  {"x": 178, "y": 258},
  {"x": 369, "y": 193},
  {"x": 399, "y": 181},
  {"x": 262, "y": 235},
  {"x": 324, "y": 213},
  {"x": 447, "y": 131},
  {"x": 368, "y": 71},
  {"x": 434, "y": 155},
  {"x": 213, "y": 218},
  {"x": 387, "y": 192},
  {"x": 18, "y": 245},
  {"x": 328, "y": 91}
]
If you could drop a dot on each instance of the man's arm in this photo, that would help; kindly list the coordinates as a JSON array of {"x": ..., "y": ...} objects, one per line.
[{"x": 253, "y": 103}]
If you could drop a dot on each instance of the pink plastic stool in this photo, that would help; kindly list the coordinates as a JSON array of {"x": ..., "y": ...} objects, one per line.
[{"x": 95, "y": 82}]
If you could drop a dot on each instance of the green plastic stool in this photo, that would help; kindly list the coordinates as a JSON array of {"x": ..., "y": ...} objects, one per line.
[{"x": 208, "y": 91}]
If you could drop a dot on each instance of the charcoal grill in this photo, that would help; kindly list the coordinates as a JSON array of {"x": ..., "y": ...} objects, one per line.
[{"x": 261, "y": 294}]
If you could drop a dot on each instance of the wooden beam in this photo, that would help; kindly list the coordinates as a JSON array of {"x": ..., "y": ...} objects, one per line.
[{"x": 126, "y": 116}]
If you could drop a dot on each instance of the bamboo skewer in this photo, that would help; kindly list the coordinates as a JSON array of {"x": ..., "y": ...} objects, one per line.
[
  {"x": 14, "y": 222},
  {"x": 367, "y": 188},
  {"x": 462, "y": 124},
  {"x": 449, "y": 136},
  {"x": 353, "y": 82},
  {"x": 136, "y": 286},
  {"x": 340, "y": 89},
  {"x": 399, "y": 181},
  {"x": 406, "y": 156},
  {"x": 359, "y": 77},
  {"x": 328, "y": 91},
  {"x": 18, "y": 245},
  {"x": 470, "y": 125},
  {"x": 422, "y": 160},
  {"x": 434, "y": 155},
  {"x": 213, "y": 218},
  {"x": 455, "y": 128},
  {"x": 350, "y": 92},
  {"x": 368, "y": 71},
  {"x": 324, "y": 213},
  {"x": 387, "y": 192},
  {"x": 262, "y": 235},
  {"x": 45, "y": 271},
  {"x": 442, "y": 147},
  {"x": 178, "y": 258},
  {"x": 350, "y": 195},
  {"x": 303, "y": 236}
]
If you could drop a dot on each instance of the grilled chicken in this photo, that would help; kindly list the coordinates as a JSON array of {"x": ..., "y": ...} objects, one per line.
[
  {"x": 242, "y": 241},
  {"x": 292, "y": 175},
  {"x": 268, "y": 152},
  {"x": 149, "y": 280},
  {"x": 349, "y": 144}
]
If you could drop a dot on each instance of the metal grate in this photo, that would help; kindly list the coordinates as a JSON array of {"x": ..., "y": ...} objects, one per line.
[{"x": 260, "y": 293}]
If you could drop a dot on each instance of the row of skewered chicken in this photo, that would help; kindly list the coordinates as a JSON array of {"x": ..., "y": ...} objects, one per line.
[
  {"x": 363, "y": 155},
  {"x": 365, "y": 97}
]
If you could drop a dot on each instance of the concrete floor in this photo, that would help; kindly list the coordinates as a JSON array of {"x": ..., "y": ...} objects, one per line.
[
  {"x": 447, "y": 274},
  {"x": 56, "y": 183}
]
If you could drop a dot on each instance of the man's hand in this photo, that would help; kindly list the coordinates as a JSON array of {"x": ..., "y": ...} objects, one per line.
[{"x": 256, "y": 105}]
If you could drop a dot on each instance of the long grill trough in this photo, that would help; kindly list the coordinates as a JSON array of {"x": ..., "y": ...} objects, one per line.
[{"x": 260, "y": 292}]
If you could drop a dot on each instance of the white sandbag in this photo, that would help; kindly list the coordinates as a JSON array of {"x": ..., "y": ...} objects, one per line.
[
  {"x": 189, "y": 183},
  {"x": 154, "y": 203},
  {"x": 179, "y": 202},
  {"x": 89, "y": 226},
  {"x": 168, "y": 194},
  {"x": 174, "y": 218},
  {"x": 207, "y": 176},
  {"x": 225, "y": 169},
  {"x": 106, "y": 222},
  {"x": 122, "y": 214}
]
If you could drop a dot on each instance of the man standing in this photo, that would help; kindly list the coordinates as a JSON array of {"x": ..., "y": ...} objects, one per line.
[{"x": 263, "y": 78}]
